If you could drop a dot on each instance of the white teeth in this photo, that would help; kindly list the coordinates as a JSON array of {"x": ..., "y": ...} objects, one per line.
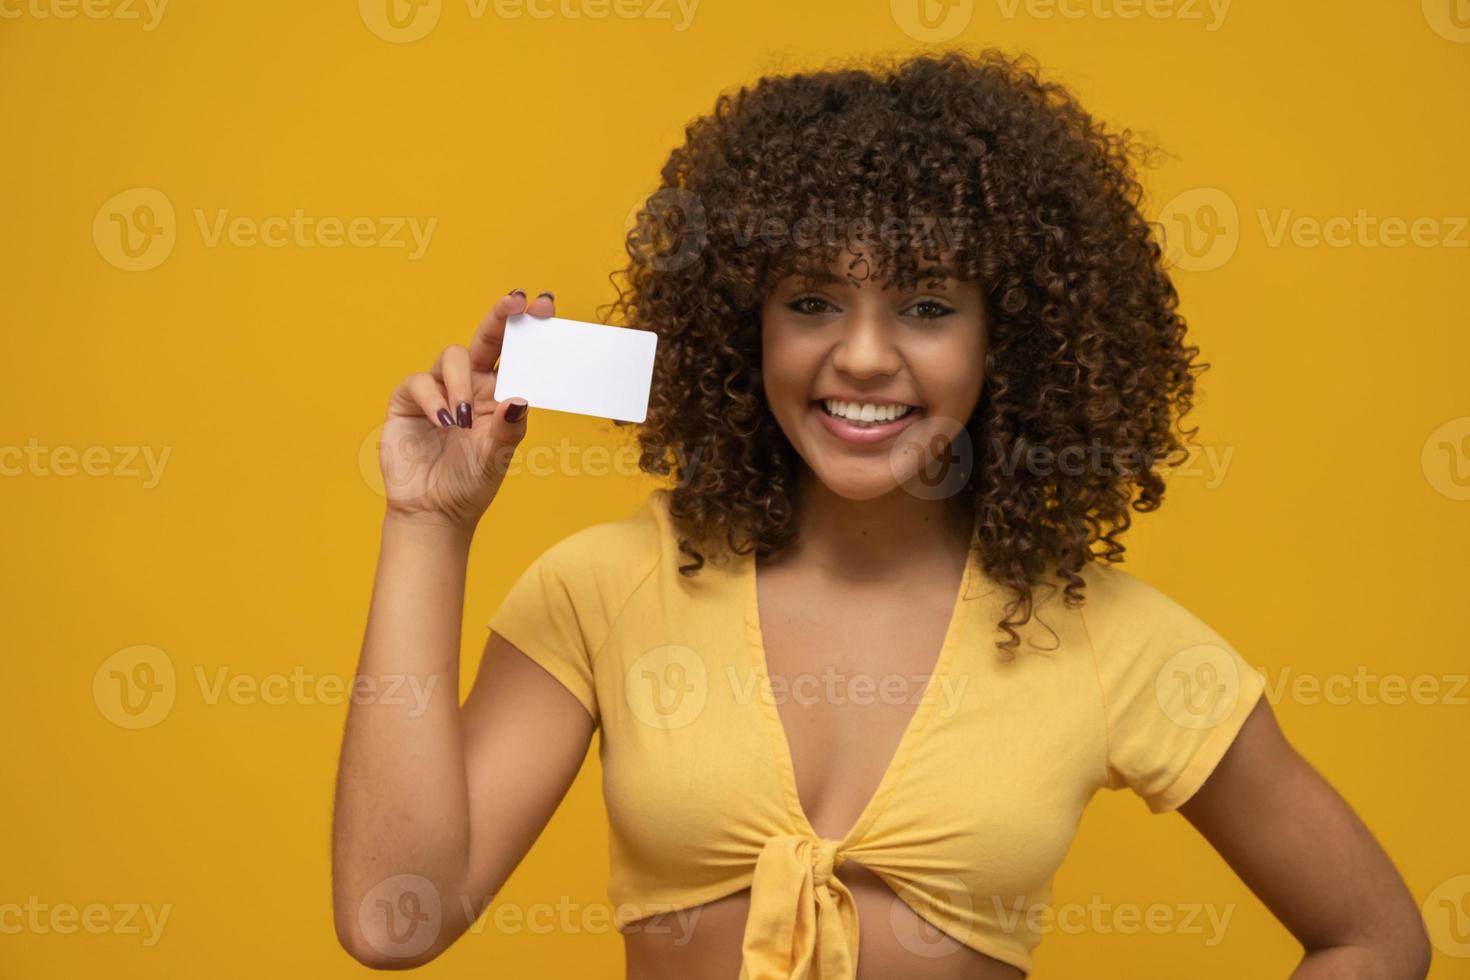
[{"x": 855, "y": 412}]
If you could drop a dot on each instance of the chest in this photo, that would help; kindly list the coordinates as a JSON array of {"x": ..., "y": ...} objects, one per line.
[{"x": 848, "y": 671}]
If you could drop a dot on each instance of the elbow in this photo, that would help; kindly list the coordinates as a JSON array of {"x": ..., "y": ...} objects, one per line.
[
  {"x": 376, "y": 960},
  {"x": 372, "y": 959},
  {"x": 1412, "y": 949},
  {"x": 375, "y": 954},
  {"x": 1404, "y": 953},
  {"x": 387, "y": 936},
  {"x": 1419, "y": 953},
  {"x": 1410, "y": 962},
  {"x": 1398, "y": 947}
]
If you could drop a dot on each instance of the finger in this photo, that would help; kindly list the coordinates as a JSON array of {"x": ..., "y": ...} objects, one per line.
[
  {"x": 485, "y": 347},
  {"x": 499, "y": 443},
  {"x": 483, "y": 387},
  {"x": 438, "y": 369},
  {"x": 543, "y": 305},
  {"x": 457, "y": 386},
  {"x": 420, "y": 394}
]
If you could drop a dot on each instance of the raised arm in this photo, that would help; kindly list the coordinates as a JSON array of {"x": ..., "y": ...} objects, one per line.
[{"x": 436, "y": 805}]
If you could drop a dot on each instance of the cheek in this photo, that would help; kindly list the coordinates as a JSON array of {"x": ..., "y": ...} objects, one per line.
[
  {"x": 951, "y": 383},
  {"x": 957, "y": 367},
  {"x": 950, "y": 378},
  {"x": 787, "y": 366}
]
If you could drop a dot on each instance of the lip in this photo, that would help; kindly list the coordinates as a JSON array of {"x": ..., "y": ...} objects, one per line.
[{"x": 868, "y": 435}]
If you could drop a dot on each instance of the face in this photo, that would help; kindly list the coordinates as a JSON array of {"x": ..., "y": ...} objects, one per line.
[{"x": 914, "y": 357}]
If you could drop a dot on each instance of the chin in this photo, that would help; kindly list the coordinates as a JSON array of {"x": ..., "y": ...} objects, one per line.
[{"x": 852, "y": 483}]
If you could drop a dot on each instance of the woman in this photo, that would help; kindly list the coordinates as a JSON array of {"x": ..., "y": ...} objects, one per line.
[{"x": 859, "y": 669}]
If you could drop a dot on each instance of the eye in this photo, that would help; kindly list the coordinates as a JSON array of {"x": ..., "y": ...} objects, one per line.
[
  {"x": 937, "y": 309},
  {"x": 797, "y": 305}
]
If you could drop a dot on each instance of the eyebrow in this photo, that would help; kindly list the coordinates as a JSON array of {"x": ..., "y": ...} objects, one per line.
[{"x": 827, "y": 276}]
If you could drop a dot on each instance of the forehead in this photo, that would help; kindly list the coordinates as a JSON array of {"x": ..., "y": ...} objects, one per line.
[
  {"x": 860, "y": 266},
  {"x": 859, "y": 272}
]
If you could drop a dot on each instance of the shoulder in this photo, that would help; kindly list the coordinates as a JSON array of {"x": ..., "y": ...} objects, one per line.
[
  {"x": 1111, "y": 593},
  {"x": 1128, "y": 616},
  {"x": 613, "y": 556},
  {"x": 576, "y": 589}
]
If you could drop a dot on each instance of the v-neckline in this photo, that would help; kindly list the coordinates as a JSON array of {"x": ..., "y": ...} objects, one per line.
[{"x": 785, "y": 761}]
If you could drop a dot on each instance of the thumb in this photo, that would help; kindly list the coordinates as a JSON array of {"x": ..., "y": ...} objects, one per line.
[{"x": 507, "y": 429}]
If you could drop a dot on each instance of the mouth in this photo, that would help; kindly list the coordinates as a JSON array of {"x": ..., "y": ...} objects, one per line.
[{"x": 859, "y": 432}]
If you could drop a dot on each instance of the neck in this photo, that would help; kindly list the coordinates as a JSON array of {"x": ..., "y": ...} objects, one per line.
[{"x": 882, "y": 540}]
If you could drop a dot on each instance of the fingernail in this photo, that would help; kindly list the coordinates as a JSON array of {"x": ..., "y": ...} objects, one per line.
[
  {"x": 518, "y": 292},
  {"x": 445, "y": 418},
  {"x": 550, "y": 296},
  {"x": 464, "y": 415},
  {"x": 516, "y": 412}
]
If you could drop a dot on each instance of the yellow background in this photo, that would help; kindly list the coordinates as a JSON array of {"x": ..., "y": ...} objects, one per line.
[{"x": 1334, "y": 540}]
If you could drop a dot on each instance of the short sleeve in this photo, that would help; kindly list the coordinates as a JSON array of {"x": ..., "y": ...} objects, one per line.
[
  {"x": 1175, "y": 692},
  {"x": 547, "y": 615}
]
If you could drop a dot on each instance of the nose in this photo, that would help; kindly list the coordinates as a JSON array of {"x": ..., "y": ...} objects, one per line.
[{"x": 866, "y": 347}]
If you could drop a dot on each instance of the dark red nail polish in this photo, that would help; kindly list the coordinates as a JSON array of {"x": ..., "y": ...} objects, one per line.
[
  {"x": 445, "y": 418},
  {"x": 518, "y": 292},
  {"x": 515, "y": 413},
  {"x": 548, "y": 295},
  {"x": 464, "y": 415}
]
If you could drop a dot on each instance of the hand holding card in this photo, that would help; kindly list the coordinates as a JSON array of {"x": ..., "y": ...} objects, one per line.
[{"x": 573, "y": 366}]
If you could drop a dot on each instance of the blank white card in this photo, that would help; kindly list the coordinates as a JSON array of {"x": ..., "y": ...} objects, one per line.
[{"x": 572, "y": 366}]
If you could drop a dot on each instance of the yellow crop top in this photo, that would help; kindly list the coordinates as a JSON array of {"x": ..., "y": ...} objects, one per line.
[{"x": 980, "y": 802}]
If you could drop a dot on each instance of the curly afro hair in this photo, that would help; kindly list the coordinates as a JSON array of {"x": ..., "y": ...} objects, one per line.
[{"x": 1086, "y": 355}]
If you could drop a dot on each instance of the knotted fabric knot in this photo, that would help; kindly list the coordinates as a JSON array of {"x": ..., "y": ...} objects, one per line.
[
  {"x": 803, "y": 923},
  {"x": 825, "y": 859}
]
